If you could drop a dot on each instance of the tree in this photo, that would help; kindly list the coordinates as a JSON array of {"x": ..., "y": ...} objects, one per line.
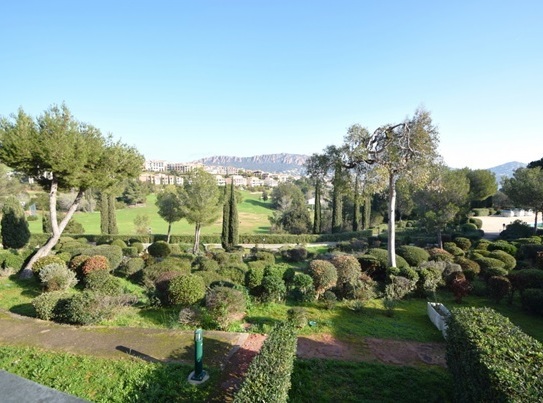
[
  {"x": 404, "y": 149},
  {"x": 200, "y": 201},
  {"x": 142, "y": 223},
  {"x": 482, "y": 185},
  {"x": 15, "y": 232},
  {"x": 525, "y": 189},
  {"x": 62, "y": 153},
  {"x": 291, "y": 213},
  {"x": 169, "y": 207},
  {"x": 317, "y": 167},
  {"x": 230, "y": 223},
  {"x": 535, "y": 164},
  {"x": 441, "y": 198},
  {"x": 134, "y": 192}
]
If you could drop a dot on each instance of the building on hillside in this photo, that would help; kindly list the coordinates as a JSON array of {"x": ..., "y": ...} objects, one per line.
[
  {"x": 182, "y": 167},
  {"x": 155, "y": 165},
  {"x": 270, "y": 182},
  {"x": 253, "y": 182},
  {"x": 238, "y": 180},
  {"x": 220, "y": 180},
  {"x": 161, "y": 179}
]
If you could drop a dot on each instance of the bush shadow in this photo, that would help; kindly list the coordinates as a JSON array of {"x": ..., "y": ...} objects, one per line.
[{"x": 258, "y": 203}]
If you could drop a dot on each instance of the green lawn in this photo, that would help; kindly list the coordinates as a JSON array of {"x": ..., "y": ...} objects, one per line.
[{"x": 253, "y": 217}]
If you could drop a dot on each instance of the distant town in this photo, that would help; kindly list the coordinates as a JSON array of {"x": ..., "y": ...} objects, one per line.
[{"x": 161, "y": 172}]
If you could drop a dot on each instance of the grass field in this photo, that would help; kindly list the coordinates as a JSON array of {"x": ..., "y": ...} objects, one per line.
[{"x": 253, "y": 217}]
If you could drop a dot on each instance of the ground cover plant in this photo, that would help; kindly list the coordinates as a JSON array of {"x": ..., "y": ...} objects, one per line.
[{"x": 106, "y": 380}]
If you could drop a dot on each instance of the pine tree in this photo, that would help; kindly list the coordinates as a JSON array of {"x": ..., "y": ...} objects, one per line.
[{"x": 15, "y": 232}]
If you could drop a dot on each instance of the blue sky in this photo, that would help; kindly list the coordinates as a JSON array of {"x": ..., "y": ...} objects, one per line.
[{"x": 181, "y": 80}]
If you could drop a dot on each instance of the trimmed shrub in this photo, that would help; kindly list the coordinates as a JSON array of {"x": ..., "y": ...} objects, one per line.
[
  {"x": 162, "y": 286},
  {"x": 324, "y": 275},
  {"x": 267, "y": 257},
  {"x": 101, "y": 282},
  {"x": 254, "y": 276},
  {"x": 130, "y": 267},
  {"x": 459, "y": 286},
  {"x": 481, "y": 212},
  {"x": 206, "y": 264},
  {"x": 113, "y": 253},
  {"x": 294, "y": 254},
  {"x": 302, "y": 287},
  {"x": 89, "y": 308},
  {"x": 94, "y": 263},
  {"x": 504, "y": 246},
  {"x": 268, "y": 376},
  {"x": 413, "y": 254},
  {"x": 429, "y": 279},
  {"x": 470, "y": 268},
  {"x": 490, "y": 359},
  {"x": 489, "y": 263},
  {"x": 186, "y": 290},
  {"x": 130, "y": 251},
  {"x": 440, "y": 255},
  {"x": 498, "y": 287},
  {"x": 233, "y": 274},
  {"x": 46, "y": 303},
  {"x": 453, "y": 249},
  {"x": 523, "y": 279},
  {"x": 76, "y": 263},
  {"x": 119, "y": 242},
  {"x": 57, "y": 277},
  {"x": 532, "y": 300},
  {"x": 509, "y": 261},
  {"x": 212, "y": 278},
  {"x": 348, "y": 272},
  {"x": 468, "y": 227},
  {"x": 45, "y": 261},
  {"x": 463, "y": 243},
  {"x": 273, "y": 288},
  {"x": 482, "y": 244},
  {"x": 11, "y": 261},
  {"x": 297, "y": 316},
  {"x": 329, "y": 299},
  {"x": 477, "y": 221},
  {"x": 138, "y": 245},
  {"x": 159, "y": 249},
  {"x": 225, "y": 305}
]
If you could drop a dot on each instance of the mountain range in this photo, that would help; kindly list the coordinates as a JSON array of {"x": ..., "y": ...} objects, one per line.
[{"x": 294, "y": 164}]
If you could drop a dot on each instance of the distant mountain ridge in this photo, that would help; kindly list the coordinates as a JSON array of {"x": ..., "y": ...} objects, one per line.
[
  {"x": 276, "y": 163},
  {"x": 294, "y": 164},
  {"x": 506, "y": 170}
]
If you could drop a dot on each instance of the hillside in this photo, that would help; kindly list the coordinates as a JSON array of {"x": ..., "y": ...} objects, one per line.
[
  {"x": 276, "y": 163},
  {"x": 506, "y": 170}
]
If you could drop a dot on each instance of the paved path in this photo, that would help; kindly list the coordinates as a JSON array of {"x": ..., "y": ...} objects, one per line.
[{"x": 493, "y": 225}]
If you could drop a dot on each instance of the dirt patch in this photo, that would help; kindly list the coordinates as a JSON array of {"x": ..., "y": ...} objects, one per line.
[{"x": 407, "y": 352}]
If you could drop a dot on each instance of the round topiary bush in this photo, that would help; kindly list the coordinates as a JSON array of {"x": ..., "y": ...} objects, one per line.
[
  {"x": 11, "y": 261},
  {"x": 138, "y": 245},
  {"x": 94, "y": 263},
  {"x": 119, "y": 242},
  {"x": 206, "y": 264},
  {"x": 463, "y": 243},
  {"x": 57, "y": 277},
  {"x": 131, "y": 266},
  {"x": 470, "y": 268},
  {"x": 504, "y": 246},
  {"x": 532, "y": 300},
  {"x": 348, "y": 272},
  {"x": 46, "y": 303},
  {"x": 101, "y": 282},
  {"x": 302, "y": 287},
  {"x": 85, "y": 308},
  {"x": 453, "y": 249},
  {"x": 499, "y": 287},
  {"x": 46, "y": 260},
  {"x": 440, "y": 255},
  {"x": 273, "y": 289},
  {"x": 297, "y": 316},
  {"x": 267, "y": 257},
  {"x": 414, "y": 255},
  {"x": 159, "y": 249},
  {"x": 186, "y": 290},
  {"x": 225, "y": 305},
  {"x": 509, "y": 261},
  {"x": 130, "y": 251},
  {"x": 324, "y": 275},
  {"x": 254, "y": 276}
]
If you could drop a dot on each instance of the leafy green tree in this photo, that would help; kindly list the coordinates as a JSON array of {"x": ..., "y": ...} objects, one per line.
[
  {"x": 200, "y": 201},
  {"x": 402, "y": 150},
  {"x": 15, "y": 232},
  {"x": 61, "y": 152},
  {"x": 142, "y": 223},
  {"x": 482, "y": 185},
  {"x": 291, "y": 213},
  {"x": 442, "y": 198},
  {"x": 317, "y": 167},
  {"x": 10, "y": 184},
  {"x": 535, "y": 164},
  {"x": 525, "y": 189},
  {"x": 134, "y": 192},
  {"x": 169, "y": 207}
]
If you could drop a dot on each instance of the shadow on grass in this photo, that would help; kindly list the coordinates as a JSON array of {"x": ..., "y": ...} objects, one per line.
[
  {"x": 24, "y": 310},
  {"x": 258, "y": 203}
]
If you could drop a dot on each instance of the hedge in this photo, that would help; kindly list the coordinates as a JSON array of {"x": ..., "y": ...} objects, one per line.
[
  {"x": 268, "y": 377},
  {"x": 491, "y": 360}
]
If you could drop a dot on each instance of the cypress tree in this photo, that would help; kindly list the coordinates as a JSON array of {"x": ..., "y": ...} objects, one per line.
[
  {"x": 15, "y": 232},
  {"x": 233, "y": 228},
  {"x": 111, "y": 215},
  {"x": 356, "y": 207},
  {"x": 104, "y": 213},
  {"x": 337, "y": 204},
  {"x": 225, "y": 220}
]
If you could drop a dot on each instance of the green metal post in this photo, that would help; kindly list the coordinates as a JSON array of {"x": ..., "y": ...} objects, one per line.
[{"x": 199, "y": 373}]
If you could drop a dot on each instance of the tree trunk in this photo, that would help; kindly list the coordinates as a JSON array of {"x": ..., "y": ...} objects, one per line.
[
  {"x": 391, "y": 220},
  {"x": 104, "y": 216},
  {"x": 535, "y": 222},
  {"x": 367, "y": 212},
  {"x": 356, "y": 207},
  {"x": 26, "y": 272},
  {"x": 169, "y": 232},
  {"x": 195, "y": 248},
  {"x": 439, "y": 239},
  {"x": 317, "y": 225},
  {"x": 233, "y": 228}
]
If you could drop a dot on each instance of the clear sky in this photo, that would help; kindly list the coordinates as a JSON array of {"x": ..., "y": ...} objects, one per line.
[{"x": 181, "y": 80}]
